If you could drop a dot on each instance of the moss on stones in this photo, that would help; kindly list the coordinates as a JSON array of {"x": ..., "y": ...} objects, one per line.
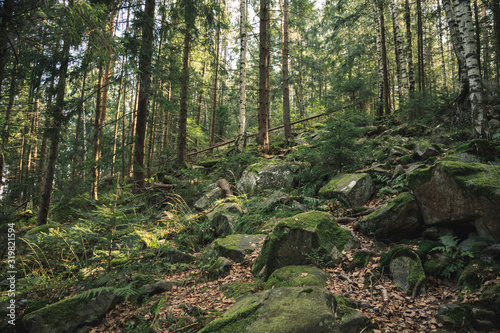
[
  {"x": 296, "y": 276},
  {"x": 237, "y": 290}
]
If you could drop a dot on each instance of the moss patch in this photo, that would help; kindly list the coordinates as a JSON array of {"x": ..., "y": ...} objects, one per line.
[
  {"x": 237, "y": 290},
  {"x": 296, "y": 276}
]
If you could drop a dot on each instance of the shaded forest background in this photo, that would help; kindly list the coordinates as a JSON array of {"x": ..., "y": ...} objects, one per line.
[{"x": 97, "y": 90}]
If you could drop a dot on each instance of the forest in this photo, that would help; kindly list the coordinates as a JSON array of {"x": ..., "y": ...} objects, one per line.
[{"x": 117, "y": 114}]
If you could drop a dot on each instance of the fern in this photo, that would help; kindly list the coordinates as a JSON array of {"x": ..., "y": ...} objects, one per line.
[
  {"x": 459, "y": 256},
  {"x": 158, "y": 305},
  {"x": 128, "y": 291},
  {"x": 93, "y": 293}
]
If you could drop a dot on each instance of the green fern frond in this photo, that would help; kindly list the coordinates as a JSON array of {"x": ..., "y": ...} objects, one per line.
[{"x": 92, "y": 293}]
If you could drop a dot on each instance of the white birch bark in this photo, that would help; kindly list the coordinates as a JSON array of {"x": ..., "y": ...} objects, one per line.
[
  {"x": 241, "y": 138},
  {"x": 400, "y": 61}
]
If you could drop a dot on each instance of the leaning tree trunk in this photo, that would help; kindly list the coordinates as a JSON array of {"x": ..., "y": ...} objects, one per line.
[
  {"x": 145, "y": 58},
  {"x": 242, "y": 117}
]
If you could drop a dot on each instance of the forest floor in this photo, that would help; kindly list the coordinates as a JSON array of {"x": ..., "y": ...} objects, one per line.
[{"x": 376, "y": 296}]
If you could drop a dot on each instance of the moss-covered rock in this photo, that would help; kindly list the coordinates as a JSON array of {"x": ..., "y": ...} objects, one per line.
[
  {"x": 284, "y": 310},
  {"x": 70, "y": 314},
  {"x": 406, "y": 269},
  {"x": 236, "y": 247},
  {"x": 219, "y": 268},
  {"x": 237, "y": 290},
  {"x": 451, "y": 192},
  {"x": 352, "y": 189},
  {"x": 399, "y": 218},
  {"x": 296, "y": 276},
  {"x": 272, "y": 176},
  {"x": 437, "y": 264},
  {"x": 301, "y": 240}
]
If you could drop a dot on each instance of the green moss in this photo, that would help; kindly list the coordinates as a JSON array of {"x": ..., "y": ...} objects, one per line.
[
  {"x": 426, "y": 246},
  {"x": 416, "y": 276},
  {"x": 435, "y": 266},
  {"x": 477, "y": 248},
  {"x": 395, "y": 252},
  {"x": 361, "y": 258},
  {"x": 238, "y": 289},
  {"x": 470, "y": 277},
  {"x": 333, "y": 184},
  {"x": 235, "y": 323},
  {"x": 308, "y": 220},
  {"x": 296, "y": 276},
  {"x": 419, "y": 177},
  {"x": 58, "y": 312},
  {"x": 41, "y": 228},
  {"x": 254, "y": 168},
  {"x": 230, "y": 242}
]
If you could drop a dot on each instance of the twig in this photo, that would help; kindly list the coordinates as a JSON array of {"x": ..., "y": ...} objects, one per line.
[{"x": 187, "y": 326}]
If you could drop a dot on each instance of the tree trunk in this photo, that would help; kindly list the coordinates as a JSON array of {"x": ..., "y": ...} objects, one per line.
[
  {"x": 76, "y": 156},
  {"x": 286, "y": 86},
  {"x": 264, "y": 53},
  {"x": 479, "y": 121},
  {"x": 57, "y": 115},
  {"x": 441, "y": 48},
  {"x": 183, "y": 114},
  {"x": 420, "y": 48},
  {"x": 215, "y": 81},
  {"x": 478, "y": 35},
  {"x": 409, "y": 48},
  {"x": 242, "y": 117},
  {"x": 458, "y": 47},
  {"x": 201, "y": 91},
  {"x": 145, "y": 59},
  {"x": 384, "y": 99},
  {"x": 398, "y": 43},
  {"x": 97, "y": 138},
  {"x": 496, "y": 24}
]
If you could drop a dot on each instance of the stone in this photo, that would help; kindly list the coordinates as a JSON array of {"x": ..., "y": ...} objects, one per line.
[
  {"x": 307, "y": 238},
  {"x": 70, "y": 314},
  {"x": 285, "y": 310},
  {"x": 207, "y": 198},
  {"x": 174, "y": 256},
  {"x": 274, "y": 200},
  {"x": 455, "y": 193},
  {"x": 491, "y": 254},
  {"x": 424, "y": 153},
  {"x": 398, "y": 171},
  {"x": 296, "y": 276},
  {"x": 407, "y": 273},
  {"x": 223, "y": 218},
  {"x": 378, "y": 170},
  {"x": 272, "y": 176},
  {"x": 399, "y": 218},
  {"x": 220, "y": 268},
  {"x": 436, "y": 232},
  {"x": 236, "y": 247},
  {"x": 352, "y": 189},
  {"x": 159, "y": 286},
  {"x": 466, "y": 245}
]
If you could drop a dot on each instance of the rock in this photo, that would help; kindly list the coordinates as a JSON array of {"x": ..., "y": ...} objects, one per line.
[
  {"x": 285, "y": 310},
  {"x": 437, "y": 264},
  {"x": 397, "y": 151},
  {"x": 494, "y": 125},
  {"x": 237, "y": 290},
  {"x": 352, "y": 189},
  {"x": 424, "y": 153},
  {"x": 416, "y": 166},
  {"x": 451, "y": 192},
  {"x": 236, "y": 247},
  {"x": 303, "y": 239},
  {"x": 399, "y": 218},
  {"x": 407, "y": 272},
  {"x": 453, "y": 316},
  {"x": 296, "y": 276},
  {"x": 466, "y": 245},
  {"x": 436, "y": 232},
  {"x": 159, "y": 286},
  {"x": 70, "y": 314},
  {"x": 223, "y": 218},
  {"x": 298, "y": 206},
  {"x": 466, "y": 158},
  {"x": 491, "y": 254},
  {"x": 274, "y": 200},
  {"x": 212, "y": 193},
  {"x": 273, "y": 176},
  {"x": 398, "y": 171},
  {"x": 219, "y": 268},
  {"x": 174, "y": 256},
  {"x": 378, "y": 170}
]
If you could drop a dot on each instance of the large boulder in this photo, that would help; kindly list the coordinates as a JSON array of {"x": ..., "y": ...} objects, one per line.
[
  {"x": 452, "y": 192},
  {"x": 307, "y": 238},
  {"x": 286, "y": 310},
  {"x": 70, "y": 314},
  {"x": 406, "y": 269},
  {"x": 236, "y": 247},
  {"x": 272, "y": 176},
  {"x": 352, "y": 189},
  {"x": 399, "y": 218}
]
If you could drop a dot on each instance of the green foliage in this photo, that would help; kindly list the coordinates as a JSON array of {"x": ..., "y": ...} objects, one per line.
[
  {"x": 459, "y": 257},
  {"x": 386, "y": 186},
  {"x": 318, "y": 258},
  {"x": 423, "y": 107}
]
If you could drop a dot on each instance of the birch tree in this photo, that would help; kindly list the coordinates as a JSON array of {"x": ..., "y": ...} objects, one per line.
[{"x": 241, "y": 138}]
